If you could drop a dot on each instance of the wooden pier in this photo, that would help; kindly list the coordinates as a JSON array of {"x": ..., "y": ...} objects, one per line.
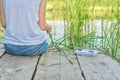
[{"x": 55, "y": 66}]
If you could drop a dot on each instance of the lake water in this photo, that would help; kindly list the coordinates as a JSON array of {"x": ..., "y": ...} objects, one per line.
[{"x": 88, "y": 26}]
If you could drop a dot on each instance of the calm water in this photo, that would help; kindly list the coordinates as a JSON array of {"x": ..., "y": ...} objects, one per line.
[{"x": 89, "y": 26}]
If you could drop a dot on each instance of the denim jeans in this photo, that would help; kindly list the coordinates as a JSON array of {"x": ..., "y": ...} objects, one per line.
[{"x": 26, "y": 50}]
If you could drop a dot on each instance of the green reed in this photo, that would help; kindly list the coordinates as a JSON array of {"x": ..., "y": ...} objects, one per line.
[{"x": 80, "y": 15}]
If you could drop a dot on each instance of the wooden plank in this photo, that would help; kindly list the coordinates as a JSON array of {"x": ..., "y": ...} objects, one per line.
[
  {"x": 100, "y": 67},
  {"x": 54, "y": 66},
  {"x": 17, "y": 67},
  {"x": 1, "y": 50}
]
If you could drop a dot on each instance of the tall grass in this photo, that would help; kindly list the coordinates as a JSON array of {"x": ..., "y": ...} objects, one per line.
[{"x": 93, "y": 24}]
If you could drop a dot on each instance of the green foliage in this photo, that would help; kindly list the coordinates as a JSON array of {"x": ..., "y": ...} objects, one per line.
[{"x": 93, "y": 9}]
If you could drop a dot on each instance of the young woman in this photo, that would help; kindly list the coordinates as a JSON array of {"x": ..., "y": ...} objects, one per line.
[{"x": 25, "y": 27}]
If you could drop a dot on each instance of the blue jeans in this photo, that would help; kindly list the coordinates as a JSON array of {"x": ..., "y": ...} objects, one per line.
[{"x": 26, "y": 50}]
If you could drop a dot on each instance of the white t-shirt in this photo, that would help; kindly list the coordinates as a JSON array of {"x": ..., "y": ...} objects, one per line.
[{"x": 21, "y": 22}]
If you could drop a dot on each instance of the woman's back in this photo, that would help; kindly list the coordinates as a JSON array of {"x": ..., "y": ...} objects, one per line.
[{"x": 21, "y": 22}]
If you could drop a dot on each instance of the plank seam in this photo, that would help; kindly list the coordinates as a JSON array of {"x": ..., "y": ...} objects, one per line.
[
  {"x": 35, "y": 70},
  {"x": 82, "y": 72},
  {"x": 3, "y": 54}
]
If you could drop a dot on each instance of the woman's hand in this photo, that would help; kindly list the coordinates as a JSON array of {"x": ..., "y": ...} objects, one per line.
[
  {"x": 45, "y": 27},
  {"x": 4, "y": 24},
  {"x": 49, "y": 29}
]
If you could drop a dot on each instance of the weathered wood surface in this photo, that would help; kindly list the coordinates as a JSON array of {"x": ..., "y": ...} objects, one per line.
[
  {"x": 54, "y": 66},
  {"x": 100, "y": 67},
  {"x": 1, "y": 50},
  {"x": 17, "y": 68}
]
